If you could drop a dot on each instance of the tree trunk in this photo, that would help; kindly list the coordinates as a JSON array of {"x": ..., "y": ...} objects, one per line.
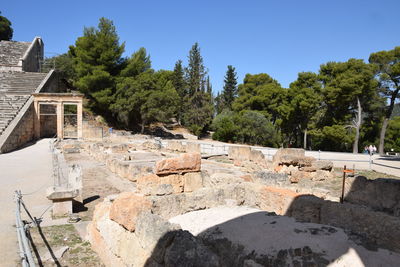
[
  {"x": 358, "y": 126},
  {"x": 142, "y": 130},
  {"x": 305, "y": 139},
  {"x": 382, "y": 137},
  {"x": 387, "y": 118}
]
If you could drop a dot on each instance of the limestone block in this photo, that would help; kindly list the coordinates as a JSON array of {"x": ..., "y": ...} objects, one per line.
[
  {"x": 294, "y": 152},
  {"x": 322, "y": 165},
  {"x": 192, "y": 181},
  {"x": 147, "y": 183},
  {"x": 176, "y": 146},
  {"x": 258, "y": 157},
  {"x": 219, "y": 178},
  {"x": 239, "y": 153},
  {"x": 154, "y": 234},
  {"x": 60, "y": 193},
  {"x": 176, "y": 180},
  {"x": 188, "y": 162},
  {"x": 108, "y": 258},
  {"x": 193, "y": 148},
  {"x": 126, "y": 207}
]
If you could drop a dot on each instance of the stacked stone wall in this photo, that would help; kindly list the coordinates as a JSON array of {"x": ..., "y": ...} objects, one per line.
[{"x": 22, "y": 133}]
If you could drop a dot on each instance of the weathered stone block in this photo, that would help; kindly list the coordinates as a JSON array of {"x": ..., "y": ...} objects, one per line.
[
  {"x": 126, "y": 207},
  {"x": 192, "y": 181},
  {"x": 189, "y": 162}
]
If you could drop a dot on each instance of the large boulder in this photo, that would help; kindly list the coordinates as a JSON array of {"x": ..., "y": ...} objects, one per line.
[
  {"x": 292, "y": 156},
  {"x": 188, "y": 162},
  {"x": 126, "y": 207}
]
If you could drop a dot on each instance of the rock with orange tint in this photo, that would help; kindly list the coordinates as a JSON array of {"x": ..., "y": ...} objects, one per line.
[
  {"x": 188, "y": 162},
  {"x": 126, "y": 208},
  {"x": 247, "y": 178}
]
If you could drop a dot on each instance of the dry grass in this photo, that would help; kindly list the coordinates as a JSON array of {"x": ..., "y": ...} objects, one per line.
[{"x": 55, "y": 237}]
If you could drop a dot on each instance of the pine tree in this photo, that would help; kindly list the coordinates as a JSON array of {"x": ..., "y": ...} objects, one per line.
[
  {"x": 96, "y": 60},
  {"x": 230, "y": 90},
  {"x": 198, "y": 107},
  {"x": 178, "y": 81},
  {"x": 195, "y": 72}
]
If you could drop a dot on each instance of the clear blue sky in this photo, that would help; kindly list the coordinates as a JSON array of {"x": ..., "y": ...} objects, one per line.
[{"x": 280, "y": 38}]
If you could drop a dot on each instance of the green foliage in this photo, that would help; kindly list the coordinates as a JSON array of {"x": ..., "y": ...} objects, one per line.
[
  {"x": 96, "y": 61},
  {"x": 225, "y": 127},
  {"x": 6, "y": 32},
  {"x": 343, "y": 83},
  {"x": 261, "y": 93},
  {"x": 303, "y": 103},
  {"x": 392, "y": 138},
  {"x": 230, "y": 90},
  {"x": 195, "y": 71},
  {"x": 149, "y": 97},
  {"x": 197, "y": 107},
  {"x": 139, "y": 62},
  {"x": 62, "y": 63},
  {"x": 198, "y": 112},
  {"x": 333, "y": 138},
  {"x": 250, "y": 127}
]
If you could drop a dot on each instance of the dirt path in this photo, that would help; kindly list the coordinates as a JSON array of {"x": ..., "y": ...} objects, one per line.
[{"x": 98, "y": 182}]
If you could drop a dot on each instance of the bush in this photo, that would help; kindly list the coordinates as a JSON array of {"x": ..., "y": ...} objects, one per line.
[{"x": 249, "y": 127}]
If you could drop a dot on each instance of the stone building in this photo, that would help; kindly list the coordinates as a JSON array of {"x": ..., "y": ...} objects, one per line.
[{"x": 33, "y": 104}]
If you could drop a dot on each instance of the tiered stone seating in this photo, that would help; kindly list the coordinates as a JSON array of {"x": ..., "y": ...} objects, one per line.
[
  {"x": 12, "y": 52},
  {"x": 15, "y": 90}
]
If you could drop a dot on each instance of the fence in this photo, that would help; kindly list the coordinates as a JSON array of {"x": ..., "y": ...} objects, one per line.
[{"x": 22, "y": 230}]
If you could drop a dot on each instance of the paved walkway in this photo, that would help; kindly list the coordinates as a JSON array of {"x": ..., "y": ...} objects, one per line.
[{"x": 29, "y": 170}]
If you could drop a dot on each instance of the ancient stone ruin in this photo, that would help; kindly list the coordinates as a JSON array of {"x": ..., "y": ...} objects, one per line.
[{"x": 192, "y": 207}]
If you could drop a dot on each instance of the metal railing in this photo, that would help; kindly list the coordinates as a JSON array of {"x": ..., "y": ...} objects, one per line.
[{"x": 22, "y": 227}]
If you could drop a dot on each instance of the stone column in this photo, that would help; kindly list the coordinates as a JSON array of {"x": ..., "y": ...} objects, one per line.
[
  {"x": 36, "y": 118},
  {"x": 60, "y": 120},
  {"x": 79, "y": 118}
]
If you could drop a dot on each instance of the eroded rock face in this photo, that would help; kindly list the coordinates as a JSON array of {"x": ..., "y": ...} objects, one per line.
[
  {"x": 126, "y": 207},
  {"x": 189, "y": 162}
]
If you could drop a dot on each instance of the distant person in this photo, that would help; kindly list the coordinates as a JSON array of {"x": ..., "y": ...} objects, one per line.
[
  {"x": 371, "y": 150},
  {"x": 374, "y": 149},
  {"x": 366, "y": 151}
]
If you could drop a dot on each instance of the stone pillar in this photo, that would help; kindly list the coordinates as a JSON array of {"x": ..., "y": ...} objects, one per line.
[
  {"x": 79, "y": 118},
  {"x": 60, "y": 120},
  {"x": 36, "y": 118}
]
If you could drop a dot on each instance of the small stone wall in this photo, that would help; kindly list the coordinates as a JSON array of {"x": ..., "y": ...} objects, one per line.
[
  {"x": 133, "y": 230},
  {"x": 22, "y": 133},
  {"x": 33, "y": 56},
  {"x": 380, "y": 194}
]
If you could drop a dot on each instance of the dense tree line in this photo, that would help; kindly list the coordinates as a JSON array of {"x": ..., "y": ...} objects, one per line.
[{"x": 342, "y": 107}]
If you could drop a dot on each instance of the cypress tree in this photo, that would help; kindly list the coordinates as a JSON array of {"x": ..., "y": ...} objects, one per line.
[{"x": 230, "y": 90}]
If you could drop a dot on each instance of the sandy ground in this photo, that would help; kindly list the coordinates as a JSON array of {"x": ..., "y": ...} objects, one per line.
[
  {"x": 267, "y": 234},
  {"x": 98, "y": 182},
  {"x": 29, "y": 170}
]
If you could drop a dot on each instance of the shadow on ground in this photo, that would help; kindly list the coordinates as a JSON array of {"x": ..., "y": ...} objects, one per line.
[{"x": 313, "y": 232}]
